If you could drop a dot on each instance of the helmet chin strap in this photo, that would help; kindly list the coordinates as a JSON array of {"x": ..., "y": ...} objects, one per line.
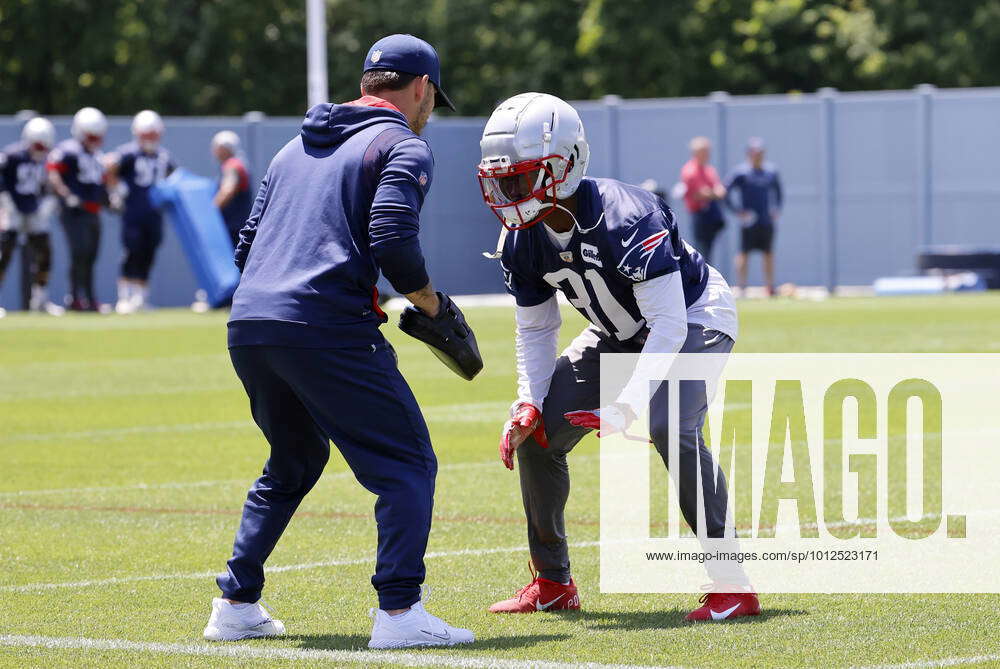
[{"x": 576, "y": 223}]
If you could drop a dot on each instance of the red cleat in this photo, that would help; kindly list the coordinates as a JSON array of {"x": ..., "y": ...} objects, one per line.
[
  {"x": 540, "y": 595},
  {"x": 726, "y": 606}
]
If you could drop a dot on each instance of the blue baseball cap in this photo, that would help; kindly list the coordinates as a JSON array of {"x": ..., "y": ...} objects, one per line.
[{"x": 412, "y": 55}]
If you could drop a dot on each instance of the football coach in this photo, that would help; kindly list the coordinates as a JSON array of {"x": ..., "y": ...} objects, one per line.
[{"x": 338, "y": 204}]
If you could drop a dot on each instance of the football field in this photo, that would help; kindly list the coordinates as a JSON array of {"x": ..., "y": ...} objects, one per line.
[{"x": 127, "y": 448}]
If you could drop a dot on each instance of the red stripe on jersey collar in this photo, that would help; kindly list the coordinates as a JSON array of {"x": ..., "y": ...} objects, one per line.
[{"x": 373, "y": 101}]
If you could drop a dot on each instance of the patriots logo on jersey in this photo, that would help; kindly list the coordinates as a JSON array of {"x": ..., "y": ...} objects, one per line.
[{"x": 635, "y": 262}]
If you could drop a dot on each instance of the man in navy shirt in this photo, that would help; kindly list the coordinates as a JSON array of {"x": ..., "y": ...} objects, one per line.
[
  {"x": 759, "y": 206},
  {"x": 27, "y": 208},
  {"x": 614, "y": 252},
  {"x": 339, "y": 204},
  {"x": 76, "y": 174},
  {"x": 131, "y": 170}
]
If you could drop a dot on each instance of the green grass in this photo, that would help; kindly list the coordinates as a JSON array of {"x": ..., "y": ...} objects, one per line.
[{"x": 143, "y": 425}]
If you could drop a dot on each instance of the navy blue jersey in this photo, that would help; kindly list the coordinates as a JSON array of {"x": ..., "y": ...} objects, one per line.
[
  {"x": 22, "y": 177},
  {"x": 759, "y": 190},
  {"x": 625, "y": 235},
  {"x": 82, "y": 172},
  {"x": 139, "y": 170}
]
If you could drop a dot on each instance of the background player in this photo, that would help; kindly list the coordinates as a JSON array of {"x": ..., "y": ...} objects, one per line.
[
  {"x": 26, "y": 209},
  {"x": 131, "y": 169},
  {"x": 233, "y": 197},
  {"x": 76, "y": 174},
  {"x": 759, "y": 207},
  {"x": 614, "y": 251}
]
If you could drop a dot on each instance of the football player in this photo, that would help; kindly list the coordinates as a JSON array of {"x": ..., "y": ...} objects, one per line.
[
  {"x": 614, "y": 251},
  {"x": 233, "y": 197},
  {"x": 131, "y": 169},
  {"x": 76, "y": 174},
  {"x": 25, "y": 207}
]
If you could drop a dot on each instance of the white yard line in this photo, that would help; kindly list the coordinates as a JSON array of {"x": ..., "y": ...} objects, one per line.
[
  {"x": 482, "y": 464},
  {"x": 465, "y": 412},
  {"x": 114, "y": 488},
  {"x": 258, "y": 651},
  {"x": 126, "y": 431},
  {"x": 367, "y": 559},
  {"x": 944, "y": 662}
]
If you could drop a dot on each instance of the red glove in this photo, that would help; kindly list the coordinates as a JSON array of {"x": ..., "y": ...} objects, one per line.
[
  {"x": 614, "y": 418},
  {"x": 587, "y": 419},
  {"x": 526, "y": 421}
]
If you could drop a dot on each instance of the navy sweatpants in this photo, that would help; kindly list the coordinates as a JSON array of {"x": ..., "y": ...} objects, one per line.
[{"x": 303, "y": 398}]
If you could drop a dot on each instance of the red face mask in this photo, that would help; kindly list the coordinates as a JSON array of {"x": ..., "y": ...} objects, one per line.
[{"x": 507, "y": 187}]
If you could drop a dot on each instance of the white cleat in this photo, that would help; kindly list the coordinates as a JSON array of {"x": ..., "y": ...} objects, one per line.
[
  {"x": 53, "y": 309},
  {"x": 228, "y": 623},
  {"x": 414, "y": 629}
]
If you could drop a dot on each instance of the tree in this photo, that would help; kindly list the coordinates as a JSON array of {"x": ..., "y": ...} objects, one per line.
[{"x": 231, "y": 56}]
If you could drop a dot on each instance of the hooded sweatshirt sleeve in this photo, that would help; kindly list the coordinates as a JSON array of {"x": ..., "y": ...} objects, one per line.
[
  {"x": 395, "y": 214},
  {"x": 249, "y": 231}
]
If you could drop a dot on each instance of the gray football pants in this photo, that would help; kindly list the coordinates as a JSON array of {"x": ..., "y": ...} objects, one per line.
[{"x": 576, "y": 385}]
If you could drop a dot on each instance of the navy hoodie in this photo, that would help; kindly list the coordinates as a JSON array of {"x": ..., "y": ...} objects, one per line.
[{"x": 338, "y": 204}]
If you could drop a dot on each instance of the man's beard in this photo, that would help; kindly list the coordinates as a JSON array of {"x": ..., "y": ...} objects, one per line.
[{"x": 422, "y": 116}]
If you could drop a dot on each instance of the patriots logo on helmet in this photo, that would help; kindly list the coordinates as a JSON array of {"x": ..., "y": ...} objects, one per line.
[{"x": 636, "y": 260}]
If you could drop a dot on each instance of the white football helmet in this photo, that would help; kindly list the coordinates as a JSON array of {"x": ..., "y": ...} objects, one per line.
[
  {"x": 39, "y": 134},
  {"x": 534, "y": 153},
  {"x": 226, "y": 139},
  {"x": 147, "y": 128},
  {"x": 89, "y": 126}
]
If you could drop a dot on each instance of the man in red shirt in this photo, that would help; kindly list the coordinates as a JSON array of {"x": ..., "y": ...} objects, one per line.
[
  {"x": 233, "y": 198},
  {"x": 703, "y": 191}
]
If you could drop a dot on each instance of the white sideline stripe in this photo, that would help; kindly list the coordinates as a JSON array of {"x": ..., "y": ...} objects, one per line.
[
  {"x": 945, "y": 662},
  {"x": 368, "y": 559},
  {"x": 135, "y": 429},
  {"x": 133, "y": 486},
  {"x": 246, "y": 652},
  {"x": 483, "y": 464},
  {"x": 465, "y": 412}
]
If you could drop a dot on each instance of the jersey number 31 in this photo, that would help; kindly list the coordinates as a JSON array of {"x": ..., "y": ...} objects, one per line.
[{"x": 608, "y": 314}]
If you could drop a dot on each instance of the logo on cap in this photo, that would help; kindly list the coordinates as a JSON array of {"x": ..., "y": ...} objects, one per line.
[
  {"x": 376, "y": 55},
  {"x": 422, "y": 178}
]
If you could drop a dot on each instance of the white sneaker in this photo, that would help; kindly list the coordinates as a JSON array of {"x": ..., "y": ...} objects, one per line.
[
  {"x": 228, "y": 623},
  {"x": 414, "y": 628}
]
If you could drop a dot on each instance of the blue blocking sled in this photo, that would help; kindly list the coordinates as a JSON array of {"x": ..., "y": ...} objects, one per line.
[{"x": 187, "y": 200}]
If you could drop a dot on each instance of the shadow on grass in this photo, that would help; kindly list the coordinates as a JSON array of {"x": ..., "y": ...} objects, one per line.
[
  {"x": 665, "y": 619},
  {"x": 360, "y": 642}
]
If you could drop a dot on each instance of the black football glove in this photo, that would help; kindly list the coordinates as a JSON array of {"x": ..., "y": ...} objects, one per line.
[{"x": 447, "y": 335}]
